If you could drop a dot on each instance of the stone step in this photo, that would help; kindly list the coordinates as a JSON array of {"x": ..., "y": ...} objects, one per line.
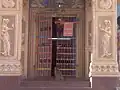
[
  {"x": 33, "y": 88},
  {"x": 55, "y": 84}
]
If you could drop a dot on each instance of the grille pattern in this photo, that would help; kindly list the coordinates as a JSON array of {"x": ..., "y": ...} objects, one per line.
[
  {"x": 66, "y": 51},
  {"x": 43, "y": 45},
  {"x": 65, "y": 59}
]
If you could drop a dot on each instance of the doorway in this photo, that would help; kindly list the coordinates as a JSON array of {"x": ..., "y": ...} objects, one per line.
[{"x": 56, "y": 46}]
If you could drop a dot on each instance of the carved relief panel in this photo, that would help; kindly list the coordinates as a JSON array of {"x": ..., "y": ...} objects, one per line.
[
  {"x": 10, "y": 69},
  {"x": 105, "y": 5},
  {"x": 103, "y": 69},
  {"x": 103, "y": 61},
  {"x": 105, "y": 32},
  {"x": 8, "y": 36},
  {"x": 10, "y": 4},
  {"x": 105, "y": 41}
]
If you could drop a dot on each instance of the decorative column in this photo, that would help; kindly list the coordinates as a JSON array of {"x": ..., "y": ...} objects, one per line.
[
  {"x": 104, "y": 53},
  {"x": 10, "y": 37}
]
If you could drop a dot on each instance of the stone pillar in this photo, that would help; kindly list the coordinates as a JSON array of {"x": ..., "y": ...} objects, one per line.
[
  {"x": 10, "y": 37},
  {"x": 88, "y": 35},
  {"x": 104, "y": 53}
]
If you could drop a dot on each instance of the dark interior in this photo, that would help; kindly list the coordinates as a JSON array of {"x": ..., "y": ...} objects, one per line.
[{"x": 63, "y": 51}]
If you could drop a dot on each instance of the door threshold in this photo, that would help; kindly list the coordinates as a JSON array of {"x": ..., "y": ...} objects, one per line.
[{"x": 55, "y": 83}]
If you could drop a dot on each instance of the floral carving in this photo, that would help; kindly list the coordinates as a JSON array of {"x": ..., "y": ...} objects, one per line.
[
  {"x": 10, "y": 68},
  {"x": 104, "y": 68},
  {"x": 8, "y": 3},
  {"x": 107, "y": 34},
  {"x": 5, "y": 37},
  {"x": 105, "y": 4}
]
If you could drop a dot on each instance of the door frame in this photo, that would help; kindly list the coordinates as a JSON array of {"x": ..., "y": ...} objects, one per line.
[
  {"x": 80, "y": 36},
  {"x": 25, "y": 59}
]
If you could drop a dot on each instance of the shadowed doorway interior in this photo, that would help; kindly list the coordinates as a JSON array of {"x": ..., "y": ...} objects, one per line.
[{"x": 63, "y": 47}]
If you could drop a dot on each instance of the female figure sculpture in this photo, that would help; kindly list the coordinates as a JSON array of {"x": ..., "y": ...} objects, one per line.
[
  {"x": 5, "y": 37},
  {"x": 106, "y": 37}
]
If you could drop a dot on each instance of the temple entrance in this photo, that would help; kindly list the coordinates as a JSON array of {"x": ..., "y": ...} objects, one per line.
[
  {"x": 56, "y": 44},
  {"x": 56, "y": 47}
]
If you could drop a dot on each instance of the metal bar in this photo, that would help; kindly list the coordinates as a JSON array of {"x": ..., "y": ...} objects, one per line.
[
  {"x": 44, "y": 52},
  {"x": 60, "y": 38},
  {"x": 38, "y": 65},
  {"x": 37, "y": 43}
]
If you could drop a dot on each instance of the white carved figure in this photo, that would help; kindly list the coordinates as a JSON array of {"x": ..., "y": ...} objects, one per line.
[
  {"x": 5, "y": 37},
  {"x": 105, "y": 4},
  {"x": 106, "y": 37},
  {"x": 8, "y": 3}
]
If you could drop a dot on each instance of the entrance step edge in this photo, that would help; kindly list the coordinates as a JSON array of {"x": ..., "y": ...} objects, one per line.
[{"x": 55, "y": 84}]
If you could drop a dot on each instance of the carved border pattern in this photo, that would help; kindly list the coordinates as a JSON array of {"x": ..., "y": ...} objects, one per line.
[
  {"x": 10, "y": 69},
  {"x": 104, "y": 68}
]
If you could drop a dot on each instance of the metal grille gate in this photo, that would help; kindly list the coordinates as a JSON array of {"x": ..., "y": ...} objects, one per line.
[
  {"x": 43, "y": 44},
  {"x": 65, "y": 55},
  {"x": 66, "y": 51}
]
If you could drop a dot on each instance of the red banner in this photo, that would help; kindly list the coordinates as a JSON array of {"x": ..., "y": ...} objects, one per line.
[{"x": 68, "y": 29}]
